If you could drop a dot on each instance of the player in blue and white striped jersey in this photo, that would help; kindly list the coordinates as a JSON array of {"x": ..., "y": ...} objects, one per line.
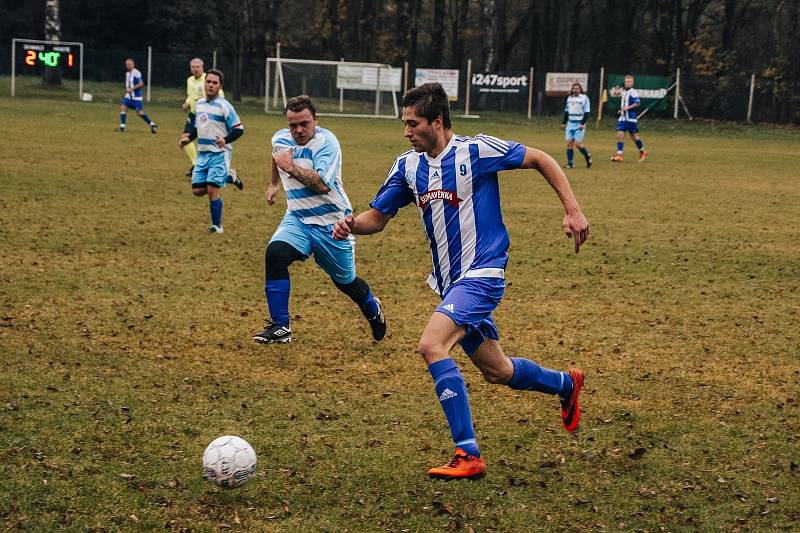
[
  {"x": 308, "y": 160},
  {"x": 576, "y": 113},
  {"x": 628, "y": 120},
  {"x": 216, "y": 126},
  {"x": 453, "y": 182},
  {"x": 133, "y": 97}
]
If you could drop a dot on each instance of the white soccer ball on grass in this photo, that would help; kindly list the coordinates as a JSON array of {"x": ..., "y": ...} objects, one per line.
[{"x": 229, "y": 461}]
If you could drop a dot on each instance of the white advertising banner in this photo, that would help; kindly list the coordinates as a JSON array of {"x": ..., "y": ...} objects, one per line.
[
  {"x": 559, "y": 83},
  {"x": 447, "y": 77},
  {"x": 366, "y": 78}
]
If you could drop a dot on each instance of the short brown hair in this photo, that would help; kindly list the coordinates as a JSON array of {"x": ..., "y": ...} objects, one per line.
[
  {"x": 298, "y": 103},
  {"x": 217, "y": 73},
  {"x": 429, "y": 101}
]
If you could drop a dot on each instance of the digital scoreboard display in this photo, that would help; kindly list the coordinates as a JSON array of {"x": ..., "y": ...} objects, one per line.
[{"x": 35, "y": 56}]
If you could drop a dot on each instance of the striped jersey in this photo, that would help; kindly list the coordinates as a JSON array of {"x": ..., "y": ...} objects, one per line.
[
  {"x": 133, "y": 77},
  {"x": 212, "y": 118},
  {"x": 629, "y": 96},
  {"x": 458, "y": 198},
  {"x": 323, "y": 154},
  {"x": 576, "y": 107}
]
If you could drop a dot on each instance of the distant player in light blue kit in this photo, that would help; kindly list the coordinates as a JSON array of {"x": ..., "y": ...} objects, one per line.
[
  {"x": 216, "y": 126},
  {"x": 308, "y": 160},
  {"x": 628, "y": 120},
  {"x": 133, "y": 97},
  {"x": 576, "y": 113}
]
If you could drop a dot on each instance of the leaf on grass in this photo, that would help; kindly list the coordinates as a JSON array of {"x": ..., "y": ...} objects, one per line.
[
  {"x": 637, "y": 453},
  {"x": 127, "y": 476}
]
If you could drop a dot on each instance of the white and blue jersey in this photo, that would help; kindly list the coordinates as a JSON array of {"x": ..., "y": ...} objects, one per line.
[
  {"x": 214, "y": 118},
  {"x": 322, "y": 154},
  {"x": 576, "y": 108},
  {"x": 132, "y": 78},
  {"x": 458, "y": 197},
  {"x": 629, "y": 97}
]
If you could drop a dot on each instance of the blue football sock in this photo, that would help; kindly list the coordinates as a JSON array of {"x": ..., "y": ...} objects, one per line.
[
  {"x": 452, "y": 393},
  {"x": 277, "y": 291},
  {"x": 570, "y": 155},
  {"x": 123, "y": 117},
  {"x": 369, "y": 306},
  {"x": 620, "y": 144},
  {"x": 639, "y": 144},
  {"x": 216, "y": 211},
  {"x": 147, "y": 119},
  {"x": 584, "y": 151},
  {"x": 530, "y": 376},
  {"x": 229, "y": 179}
]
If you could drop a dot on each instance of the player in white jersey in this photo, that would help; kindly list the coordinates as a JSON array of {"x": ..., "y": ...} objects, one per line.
[
  {"x": 215, "y": 127},
  {"x": 307, "y": 159},
  {"x": 453, "y": 181},
  {"x": 133, "y": 97},
  {"x": 576, "y": 113},
  {"x": 628, "y": 120}
]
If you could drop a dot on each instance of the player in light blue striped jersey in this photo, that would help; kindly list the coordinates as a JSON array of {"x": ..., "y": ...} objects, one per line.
[
  {"x": 133, "y": 97},
  {"x": 307, "y": 159},
  {"x": 216, "y": 125},
  {"x": 576, "y": 113}
]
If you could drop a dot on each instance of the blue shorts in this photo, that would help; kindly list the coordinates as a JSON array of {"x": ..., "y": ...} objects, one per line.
[
  {"x": 630, "y": 127},
  {"x": 211, "y": 168},
  {"x": 469, "y": 302},
  {"x": 132, "y": 104},
  {"x": 336, "y": 258},
  {"x": 574, "y": 132}
]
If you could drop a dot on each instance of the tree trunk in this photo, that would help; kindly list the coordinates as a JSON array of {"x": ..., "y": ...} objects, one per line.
[
  {"x": 52, "y": 32},
  {"x": 437, "y": 37},
  {"x": 489, "y": 9}
]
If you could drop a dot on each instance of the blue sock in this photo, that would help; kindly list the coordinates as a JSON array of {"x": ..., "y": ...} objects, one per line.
[
  {"x": 452, "y": 393},
  {"x": 530, "y": 376},
  {"x": 216, "y": 211},
  {"x": 369, "y": 306},
  {"x": 123, "y": 117},
  {"x": 584, "y": 151},
  {"x": 147, "y": 119},
  {"x": 639, "y": 144},
  {"x": 620, "y": 144},
  {"x": 570, "y": 155},
  {"x": 277, "y": 291},
  {"x": 229, "y": 179}
]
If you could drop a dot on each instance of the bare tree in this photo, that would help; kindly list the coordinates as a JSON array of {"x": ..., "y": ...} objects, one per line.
[{"x": 52, "y": 32}]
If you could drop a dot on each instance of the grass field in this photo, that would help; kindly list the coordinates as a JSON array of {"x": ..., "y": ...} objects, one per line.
[{"x": 125, "y": 340}]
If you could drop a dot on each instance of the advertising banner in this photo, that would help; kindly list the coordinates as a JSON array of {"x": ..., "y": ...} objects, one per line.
[
  {"x": 559, "y": 83},
  {"x": 651, "y": 89},
  {"x": 447, "y": 77},
  {"x": 513, "y": 82},
  {"x": 366, "y": 78}
]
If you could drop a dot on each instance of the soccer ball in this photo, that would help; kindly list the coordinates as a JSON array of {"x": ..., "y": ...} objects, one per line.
[{"x": 229, "y": 461}]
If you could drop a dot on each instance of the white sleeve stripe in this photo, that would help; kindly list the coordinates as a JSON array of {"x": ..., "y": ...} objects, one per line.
[{"x": 495, "y": 143}]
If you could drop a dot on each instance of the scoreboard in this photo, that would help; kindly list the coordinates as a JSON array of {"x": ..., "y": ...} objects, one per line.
[
  {"x": 35, "y": 57},
  {"x": 50, "y": 55}
]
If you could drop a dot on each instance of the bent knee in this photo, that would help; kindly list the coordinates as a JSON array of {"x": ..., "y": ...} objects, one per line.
[
  {"x": 431, "y": 350},
  {"x": 494, "y": 376},
  {"x": 199, "y": 192}
]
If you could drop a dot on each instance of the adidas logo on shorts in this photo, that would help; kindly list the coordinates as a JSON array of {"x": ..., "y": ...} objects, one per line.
[
  {"x": 449, "y": 307},
  {"x": 446, "y": 395}
]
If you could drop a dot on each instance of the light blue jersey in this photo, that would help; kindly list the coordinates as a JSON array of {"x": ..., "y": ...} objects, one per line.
[
  {"x": 576, "y": 107},
  {"x": 323, "y": 154},
  {"x": 214, "y": 118}
]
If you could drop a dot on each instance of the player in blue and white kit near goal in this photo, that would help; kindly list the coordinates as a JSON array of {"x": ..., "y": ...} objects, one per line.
[
  {"x": 216, "y": 126},
  {"x": 133, "y": 97},
  {"x": 307, "y": 159},
  {"x": 629, "y": 121},
  {"x": 452, "y": 179},
  {"x": 576, "y": 113}
]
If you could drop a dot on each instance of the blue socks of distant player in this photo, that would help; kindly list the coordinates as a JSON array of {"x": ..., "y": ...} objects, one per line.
[
  {"x": 147, "y": 120},
  {"x": 585, "y": 152},
  {"x": 452, "y": 393},
  {"x": 530, "y": 376},
  {"x": 570, "y": 156},
  {"x": 216, "y": 211},
  {"x": 123, "y": 117},
  {"x": 620, "y": 144},
  {"x": 277, "y": 291},
  {"x": 640, "y": 145}
]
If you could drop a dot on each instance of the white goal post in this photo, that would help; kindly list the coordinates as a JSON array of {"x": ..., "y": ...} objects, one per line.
[
  {"x": 49, "y": 51},
  {"x": 339, "y": 88}
]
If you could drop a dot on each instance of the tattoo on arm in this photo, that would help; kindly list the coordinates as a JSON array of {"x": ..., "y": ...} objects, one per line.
[{"x": 309, "y": 178}]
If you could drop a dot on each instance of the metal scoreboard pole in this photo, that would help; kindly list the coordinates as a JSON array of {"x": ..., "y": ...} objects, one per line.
[{"x": 13, "y": 65}]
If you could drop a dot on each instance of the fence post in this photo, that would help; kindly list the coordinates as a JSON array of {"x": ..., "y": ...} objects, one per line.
[
  {"x": 750, "y": 100},
  {"x": 600, "y": 96},
  {"x": 468, "y": 86},
  {"x": 530, "y": 93},
  {"x": 14, "y": 66},
  {"x": 341, "y": 96},
  {"x": 214, "y": 59},
  {"x": 677, "y": 92},
  {"x": 405, "y": 77},
  {"x": 149, "y": 70},
  {"x": 266, "y": 84},
  {"x": 277, "y": 75}
]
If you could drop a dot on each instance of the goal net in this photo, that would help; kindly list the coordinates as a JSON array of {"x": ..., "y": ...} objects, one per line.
[{"x": 342, "y": 88}]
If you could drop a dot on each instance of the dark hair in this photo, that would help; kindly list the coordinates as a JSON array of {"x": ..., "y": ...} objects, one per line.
[
  {"x": 429, "y": 101},
  {"x": 579, "y": 86},
  {"x": 298, "y": 103},
  {"x": 217, "y": 73}
]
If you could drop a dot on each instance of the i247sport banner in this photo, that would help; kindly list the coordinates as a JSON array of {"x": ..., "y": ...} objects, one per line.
[
  {"x": 652, "y": 91},
  {"x": 447, "y": 77},
  {"x": 500, "y": 82}
]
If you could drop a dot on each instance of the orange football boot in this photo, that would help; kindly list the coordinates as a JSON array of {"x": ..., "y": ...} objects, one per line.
[
  {"x": 617, "y": 158},
  {"x": 461, "y": 466},
  {"x": 571, "y": 407},
  {"x": 642, "y": 155}
]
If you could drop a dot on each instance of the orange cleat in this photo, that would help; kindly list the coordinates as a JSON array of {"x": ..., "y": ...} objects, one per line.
[
  {"x": 571, "y": 408},
  {"x": 642, "y": 155},
  {"x": 617, "y": 158},
  {"x": 461, "y": 466}
]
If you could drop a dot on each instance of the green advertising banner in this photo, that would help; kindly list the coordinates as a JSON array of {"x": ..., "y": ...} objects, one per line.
[{"x": 652, "y": 90}]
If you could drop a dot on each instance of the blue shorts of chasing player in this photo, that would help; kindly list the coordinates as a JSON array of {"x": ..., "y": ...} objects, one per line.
[
  {"x": 469, "y": 302},
  {"x": 132, "y": 104},
  {"x": 574, "y": 132},
  {"x": 630, "y": 127},
  {"x": 211, "y": 168},
  {"x": 336, "y": 258}
]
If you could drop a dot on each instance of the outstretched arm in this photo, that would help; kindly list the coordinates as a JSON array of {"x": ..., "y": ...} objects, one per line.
[
  {"x": 367, "y": 223},
  {"x": 575, "y": 224},
  {"x": 273, "y": 188}
]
